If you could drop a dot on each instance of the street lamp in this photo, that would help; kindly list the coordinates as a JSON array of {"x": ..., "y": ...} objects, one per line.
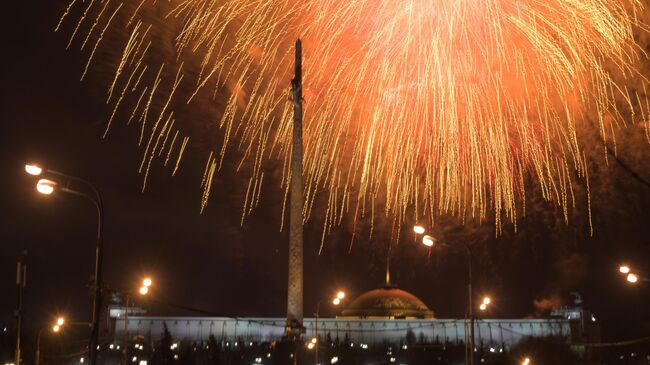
[
  {"x": 340, "y": 295},
  {"x": 47, "y": 186},
  {"x": 484, "y": 305},
  {"x": 144, "y": 290},
  {"x": 56, "y": 327},
  {"x": 526, "y": 361},
  {"x": 33, "y": 170},
  {"x": 632, "y": 278},
  {"x": 429, "y": 241},
  {"x": 418, "y": 229}
]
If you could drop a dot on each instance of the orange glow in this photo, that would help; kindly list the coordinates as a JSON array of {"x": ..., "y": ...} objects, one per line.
[{"x": 415, "y": 107}]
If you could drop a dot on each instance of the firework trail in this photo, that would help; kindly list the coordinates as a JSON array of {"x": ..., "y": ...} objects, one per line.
[{"x": 413, "y": 108}]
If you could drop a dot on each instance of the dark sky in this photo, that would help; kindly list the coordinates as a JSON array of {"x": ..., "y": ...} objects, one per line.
[{"x": 209, "y": 261}]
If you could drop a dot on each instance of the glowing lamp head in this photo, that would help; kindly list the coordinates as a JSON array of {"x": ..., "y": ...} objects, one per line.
[
  {"x": 624, "y": 269},
  {"x": 428, "y": 241},
  {"x": 336, "y": 301},
  {"x": 632, "y": 278},
  {"x": 487, "y": 300},
  {"x": 60, "y": 321},
  {"x": 483, "y": 306},
  {"x": 33, "y": 170},
  {"x": 314, "y": 340},
  {"x": 45, "y": 186},
  {"x": 418, "y": 229},
  {"x": 56, "y": 328},
  {"x": 340, "y": 295},
  {"x": 310, "y": 345},
  {"x": 144, "y": 290},
  {"x": 526, "y": 361},
  {"x": 147, "y": 282}
]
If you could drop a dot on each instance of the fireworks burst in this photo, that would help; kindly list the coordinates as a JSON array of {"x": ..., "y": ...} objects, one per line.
[{"x": 413, "y": 108}]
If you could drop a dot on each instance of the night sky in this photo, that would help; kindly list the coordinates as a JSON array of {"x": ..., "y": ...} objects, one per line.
[{"x": 209, "y": 261}]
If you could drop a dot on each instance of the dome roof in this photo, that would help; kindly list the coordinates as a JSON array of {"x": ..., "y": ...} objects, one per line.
[{"x": 387, "y": 302}]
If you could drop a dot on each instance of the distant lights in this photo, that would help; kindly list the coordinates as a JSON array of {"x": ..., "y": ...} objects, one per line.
[
  {"x": 336, "y": 301},
  {"x": 526, "y": 361},
  {"x": 418, "y": 229},
  {"x": 624, "y": 269}
]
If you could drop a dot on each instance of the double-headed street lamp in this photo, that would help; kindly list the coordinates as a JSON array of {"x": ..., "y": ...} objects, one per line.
[
  {"x": 144, "y": 290},
  {"x": 484, "y": 305},
  {"x": 313, "y": 344},
  {"x": 630, "y": 276},
  {"x": 53, "y": 181},
  {"x": 56, "y": 327}
]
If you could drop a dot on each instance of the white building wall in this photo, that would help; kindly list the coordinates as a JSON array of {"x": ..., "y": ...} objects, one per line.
[{"x": 488, "y": 332}]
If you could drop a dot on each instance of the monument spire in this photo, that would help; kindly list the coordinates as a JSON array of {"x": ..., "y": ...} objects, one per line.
[{"x": 294, "y": 327}]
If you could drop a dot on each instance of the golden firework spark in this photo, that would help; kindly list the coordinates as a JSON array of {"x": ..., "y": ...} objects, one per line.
[{"x": 414, "y": 108}]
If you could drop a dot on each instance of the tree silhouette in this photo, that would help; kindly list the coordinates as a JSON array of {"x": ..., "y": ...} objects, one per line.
[
  {"x": 163, "y": 354},
  {"x": 214, "y": 351}
]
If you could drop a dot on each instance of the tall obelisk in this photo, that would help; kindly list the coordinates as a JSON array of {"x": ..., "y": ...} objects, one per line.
[{"x": 294, "y": 327}]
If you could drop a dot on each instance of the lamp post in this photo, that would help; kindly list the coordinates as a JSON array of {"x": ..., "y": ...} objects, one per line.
[
  {"x": 56, "y": 328},
  {"x": 21, "y": 277},
  {"x": 47, "y": 187},
  {"x": 144, "y": 290},
  {"x": 315, "y": 342},
  {"x": 430, "y": 241}
]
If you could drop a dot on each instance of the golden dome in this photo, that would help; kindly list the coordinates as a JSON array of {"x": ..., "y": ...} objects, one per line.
[{"x": 387, "y": 302}]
